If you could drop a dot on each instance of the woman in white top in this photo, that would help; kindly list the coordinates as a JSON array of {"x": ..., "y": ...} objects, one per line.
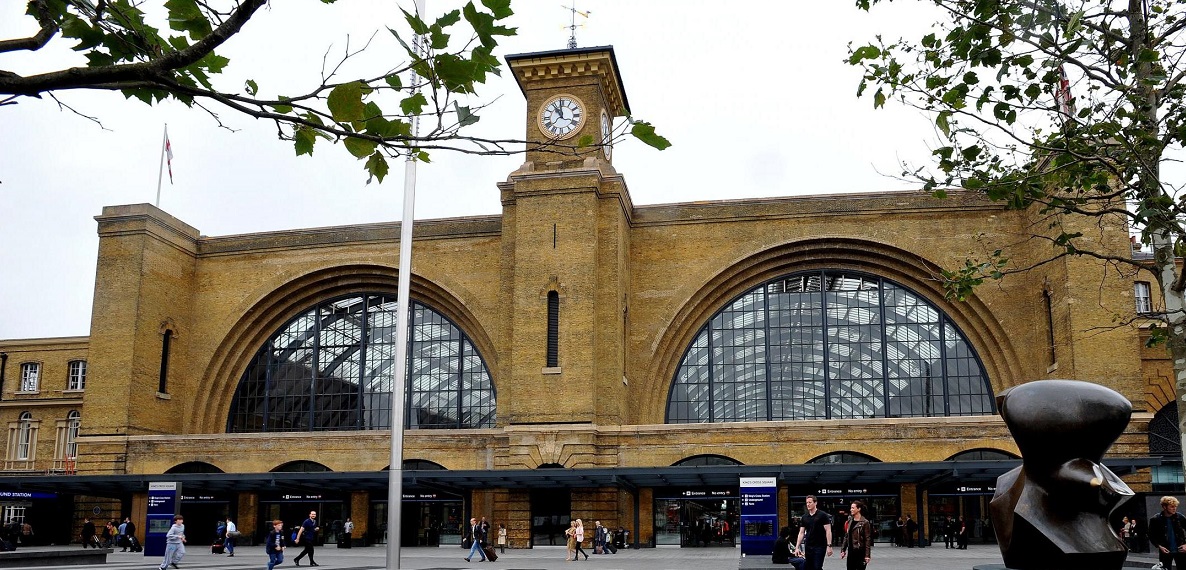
[
  {"x": 502, "y": 538},
  {"x": 580, "y": 538}
]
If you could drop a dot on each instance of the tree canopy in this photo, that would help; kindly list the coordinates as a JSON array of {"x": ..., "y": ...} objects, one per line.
[
  {"x": 375, "y": 117},
  {"x": 1069, "y": 108}
]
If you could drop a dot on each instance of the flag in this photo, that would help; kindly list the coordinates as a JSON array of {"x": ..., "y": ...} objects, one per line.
[
  {"x": 169, "y": 154},
  {"x": 1066, "y": 104}
]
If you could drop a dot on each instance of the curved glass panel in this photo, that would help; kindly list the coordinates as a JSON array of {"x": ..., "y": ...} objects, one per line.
[
  {"x": 844, "y": 457},
  {"x": 1165, "y": 438},
  {"x": 301, "y": 466},
  {"x": 701, "y": 460},
  {"x": 827, "y": 344},
  {"x": 982, "y": 455},
  {"x": 331, "y": 369}
]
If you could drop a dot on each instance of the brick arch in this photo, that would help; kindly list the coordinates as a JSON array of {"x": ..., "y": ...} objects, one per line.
[
  {"x": 288, "y": 300},
  {"x": 982, "y": 330}
]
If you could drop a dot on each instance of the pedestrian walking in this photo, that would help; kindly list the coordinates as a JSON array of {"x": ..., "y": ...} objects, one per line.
[
  {"x": 88, "y": 533},
  {"x": 571, "y": 545},
  {"x": 232, "y": 532},
  {"x": 174, "y": 543},
  {"x": 580, "y": 536},
  {"x": 476, "y": 537},
  {"x": 858, "y": 542},
  {"x": 815, "y": 536},
  {"x": 275, "y": 543},
  {"x": 307, "y": 537}
]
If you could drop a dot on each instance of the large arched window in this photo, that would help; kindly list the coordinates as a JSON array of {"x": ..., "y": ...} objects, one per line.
[
  {"x": 828, "y": 344},
  {"x": 331, "y": 368}
]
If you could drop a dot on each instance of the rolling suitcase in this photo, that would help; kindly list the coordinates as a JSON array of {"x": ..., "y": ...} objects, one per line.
[
  {"x": 218, "y": 547},
  {"x": 490, "y": 554},
  {"x": 134, "y": 545}
]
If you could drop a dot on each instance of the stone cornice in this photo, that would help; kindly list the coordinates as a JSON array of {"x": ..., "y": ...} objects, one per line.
[
  {"x": 598, "y": 62},
  {"x": 132, "y": 219},
  {"x": 602, "y": 178},
  {"x": 51, "y": 343},
  {"x": 897, "y": 203},
  {"x": 386, "y": 232}
]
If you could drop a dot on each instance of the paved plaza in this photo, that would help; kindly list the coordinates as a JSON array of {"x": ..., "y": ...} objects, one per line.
[{"x": 552, "y": 558}]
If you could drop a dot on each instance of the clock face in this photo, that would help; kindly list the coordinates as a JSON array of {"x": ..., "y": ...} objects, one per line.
[
  {"x": 562, "y": 116},
  {"x": 606, "y": 134}
]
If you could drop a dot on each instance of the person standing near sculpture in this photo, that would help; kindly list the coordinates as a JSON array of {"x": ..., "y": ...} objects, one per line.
[
  {"x": 858, "y": 542},
  {"x": 307, "y": 537},
  {"x": 1167, "y": 531},
  {"x": 815, "y": 536}
]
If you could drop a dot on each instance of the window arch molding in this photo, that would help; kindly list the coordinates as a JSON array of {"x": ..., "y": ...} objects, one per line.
[
  {"x": 984, "y": 333},
  {"x": 272, "y": 309}
]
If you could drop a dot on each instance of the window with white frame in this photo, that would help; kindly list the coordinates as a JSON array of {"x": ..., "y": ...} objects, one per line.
[
  {"x": 76, "y": 376},
  {"x": 24, "y": 442},
  {"x": 14, "y": 513},
  {"x": 1143, "y": 296},
  {"x": 73, "y": 422},
  {"x": 30, "y": 376}
]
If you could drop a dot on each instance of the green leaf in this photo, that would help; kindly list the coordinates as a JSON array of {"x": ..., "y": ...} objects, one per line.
[
  {"x": 377, "y": 167},
  {"x": 413, "y": 104},
  {"x": 879, "y": 99},
  {"x": 252, "y": 87},
  {"x": 394, "y": 81},
  {"x": 186, "y": 16},
  {"x": 464, "y": 116},
  {"x": 418, "y": 26},
  {"x": 360, "y": 148},
  {"x": 500, "y": 8},
  {"x": 345, "y": 102},
  {"x": 645, "y": 132},
  {"x": 304, "y": 138},
  {"x": 864, "y": 52},
  {"x": 942, "y": 121}
]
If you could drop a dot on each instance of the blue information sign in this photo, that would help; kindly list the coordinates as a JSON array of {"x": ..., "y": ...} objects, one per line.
[
  {"x": 759, "y": 515},
  {"x": 164, "y": 501}
]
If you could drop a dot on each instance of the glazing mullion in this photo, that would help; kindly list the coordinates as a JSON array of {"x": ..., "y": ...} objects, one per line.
[
  {"x": 827, "y": 364},
  {"x": 766, "y": 342},
  {"x": 406, "y": 399},
  {"x": 316, "y": 365},
  {"x": 885, "y": 389},
  {"x": 712, "y": 408},
  {"x": 943, "y": 364},
  {"x": 363, "y": 341}
]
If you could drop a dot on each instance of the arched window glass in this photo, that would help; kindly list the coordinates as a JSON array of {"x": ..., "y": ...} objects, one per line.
[
  {"x": 194, "y": 467},
  {"x": 828, "y": 344},
  {"x": 73, "y": 422},
  {"x": 331, "y": 368},
  {"x": 982, "y": 455},
  {"x": 301, "y": 466},
  {"x": 702, "y": 460},
  {"x": 844, "y": 457},
  {"x": 24, "y": 436}
]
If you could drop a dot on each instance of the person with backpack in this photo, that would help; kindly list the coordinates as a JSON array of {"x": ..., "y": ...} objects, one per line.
[{"x": 1167, "y": 531}]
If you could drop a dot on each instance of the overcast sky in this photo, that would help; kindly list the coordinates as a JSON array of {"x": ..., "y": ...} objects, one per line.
[{"x": 753, "y": 95}]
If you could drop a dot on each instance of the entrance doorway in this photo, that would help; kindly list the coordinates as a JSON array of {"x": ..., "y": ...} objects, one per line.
[
  {"x": 551, "y": 511},
  {"x": 696, "y": 522}
]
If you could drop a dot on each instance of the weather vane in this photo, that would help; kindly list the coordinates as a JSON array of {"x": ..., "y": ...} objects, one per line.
[{"x": 572, "y": 26}]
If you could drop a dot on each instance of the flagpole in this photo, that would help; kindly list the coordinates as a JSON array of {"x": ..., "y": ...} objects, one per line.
[
  {"x": 160, "y": 171},
  {"x": 395, "y": 469}
]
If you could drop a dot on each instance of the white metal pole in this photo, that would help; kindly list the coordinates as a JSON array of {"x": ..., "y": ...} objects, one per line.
[
  {"x": 160, "y": 167},
  {"x": 395, "y": 474}
]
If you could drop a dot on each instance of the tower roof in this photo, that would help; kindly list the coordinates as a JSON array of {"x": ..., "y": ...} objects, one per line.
[{"x": 590, "y": 61}]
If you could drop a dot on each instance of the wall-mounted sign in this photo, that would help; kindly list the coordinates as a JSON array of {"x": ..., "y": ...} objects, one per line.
[{"x": 26, "y": 495}]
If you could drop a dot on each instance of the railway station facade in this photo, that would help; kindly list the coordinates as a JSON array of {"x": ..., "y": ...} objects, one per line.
[{"x": 576, "y": 356}]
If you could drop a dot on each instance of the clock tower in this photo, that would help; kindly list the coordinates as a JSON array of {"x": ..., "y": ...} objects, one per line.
[
  {"x": 573, "y": 96},
  {"x": 566, "y": 245}
]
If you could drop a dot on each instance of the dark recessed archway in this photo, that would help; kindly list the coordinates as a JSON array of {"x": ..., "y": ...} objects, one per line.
[
  {"x": 301, "y": 466},
  {"x": 982, "y": 455},
  {"x": 194, "y": 467},
  {"x": 706, "y": 459},
  {"x": 844, "y": 457}
]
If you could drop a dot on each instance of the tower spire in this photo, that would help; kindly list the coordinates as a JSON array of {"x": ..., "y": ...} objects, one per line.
[{"x": 572, "y": 26}]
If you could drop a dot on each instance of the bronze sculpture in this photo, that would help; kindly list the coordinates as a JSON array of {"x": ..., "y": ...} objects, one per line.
[{"x": 1051, "y": 513}]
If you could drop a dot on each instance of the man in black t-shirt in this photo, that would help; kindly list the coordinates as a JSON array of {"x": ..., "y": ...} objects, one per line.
[
  {"x": 307, "y": 537},
  {"x": 815, "y": 536}
]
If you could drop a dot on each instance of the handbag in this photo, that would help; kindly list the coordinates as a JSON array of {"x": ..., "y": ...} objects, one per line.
[{"x": 233, "y": 534}]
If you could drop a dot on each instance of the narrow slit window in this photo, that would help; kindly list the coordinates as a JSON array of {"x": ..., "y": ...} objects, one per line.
[
  {"x": 163, "y": 387},
  {"x": 1144, "y": 298},
  {"x": 553, "y": 358}
]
